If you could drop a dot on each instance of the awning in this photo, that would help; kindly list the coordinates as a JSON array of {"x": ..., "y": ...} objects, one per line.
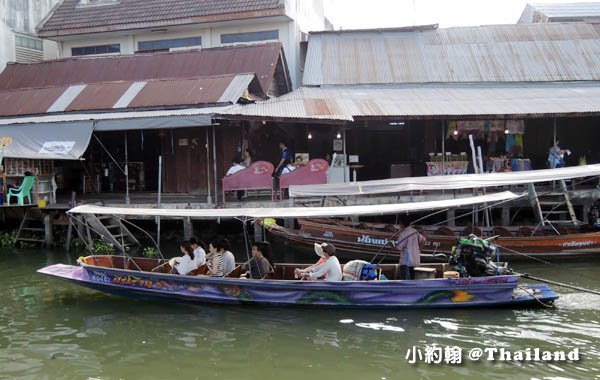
[
  {"x": 296, "y": 212},
  {"x": 449, "y": 182},
  {"x": 51, "y": 141}
]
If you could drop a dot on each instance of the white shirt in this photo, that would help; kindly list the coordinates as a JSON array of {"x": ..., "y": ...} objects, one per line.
[
  {"x": 288, "y": 169},
  {"x": 234, "y": 169},
  {"x": 331, "y": 269},
  {"x": 228, "y": 263},
  {"x": 185, "y": 264},
  {"x": 199, "y": 257}
]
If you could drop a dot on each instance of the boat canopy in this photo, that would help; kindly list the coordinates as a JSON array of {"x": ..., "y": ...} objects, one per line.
[
  {"x": 296, "y": 212},
  {"x": 449, "y": 182}
]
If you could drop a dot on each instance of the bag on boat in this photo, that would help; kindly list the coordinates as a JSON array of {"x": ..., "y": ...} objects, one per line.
[{"x": 356, "y": 270}]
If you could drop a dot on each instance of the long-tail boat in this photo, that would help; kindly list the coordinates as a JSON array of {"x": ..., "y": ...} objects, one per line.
[{"x": 149, "y": 278}]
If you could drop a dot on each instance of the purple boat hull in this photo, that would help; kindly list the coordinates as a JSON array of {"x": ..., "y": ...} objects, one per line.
[{"x": 434, "y": 293}]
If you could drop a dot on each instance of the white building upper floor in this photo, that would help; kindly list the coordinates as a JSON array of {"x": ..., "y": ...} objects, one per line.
[{"x": 97, "y": 27}]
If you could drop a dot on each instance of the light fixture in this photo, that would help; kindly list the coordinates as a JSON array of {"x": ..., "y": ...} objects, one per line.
[
  {"x": 339, "y": 135},
  {"x": 506, "y": 131},
  {"x": 397, "y": 123},
  {"x": 455, "y": 132},
  {"x": 309, "y": 136},
  {"x": 264, "y": 122}
]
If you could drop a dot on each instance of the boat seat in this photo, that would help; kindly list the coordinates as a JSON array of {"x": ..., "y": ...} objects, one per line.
[
  {"x": 202, "y": 269},
  {"x": 444, "y": 231},
  {"x": 236, "y": 272},
  {"x": 424, "y": 273},
  {"x": 472, "y": 230},
  {"x": 502, "y": 231}
]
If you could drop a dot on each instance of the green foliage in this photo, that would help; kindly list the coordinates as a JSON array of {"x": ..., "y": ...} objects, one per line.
[
  {"x": 100, "y": 247},
  {"x": 7, "y": 239},
  {"x": 150, "y": 252}
]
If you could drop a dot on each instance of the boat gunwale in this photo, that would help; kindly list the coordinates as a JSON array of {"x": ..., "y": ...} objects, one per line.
[{"x": 316, "y": 285}]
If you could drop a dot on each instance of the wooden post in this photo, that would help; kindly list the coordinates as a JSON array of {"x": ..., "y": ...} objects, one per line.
[
  {"x": 505, "y": 216},
  {"x": 258, "y": 233},
  {"x": 188, "y": 228},
  {"x": 70, "y": 227},
  {"x": 48, "y": 238}
]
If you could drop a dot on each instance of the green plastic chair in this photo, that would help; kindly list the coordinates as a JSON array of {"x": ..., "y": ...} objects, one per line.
[{"x": 22, "y": 192}]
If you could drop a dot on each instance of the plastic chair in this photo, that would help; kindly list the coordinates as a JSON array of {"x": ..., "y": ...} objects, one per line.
[{"x": 21, "y": 192}]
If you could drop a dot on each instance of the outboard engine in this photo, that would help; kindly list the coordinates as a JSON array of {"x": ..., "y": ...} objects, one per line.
[
  {"x": 594, "y": 214},
  {"x": 476, "y": 257}
]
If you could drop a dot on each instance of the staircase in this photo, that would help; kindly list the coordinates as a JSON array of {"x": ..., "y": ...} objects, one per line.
[
  {"x": 32, "y": 229},
  {"x": 553, "y": 208},
  {"x": 111, "y": 230}
]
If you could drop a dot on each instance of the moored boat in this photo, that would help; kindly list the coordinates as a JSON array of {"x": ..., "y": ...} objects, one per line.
[{"x": 364, "y": 240}]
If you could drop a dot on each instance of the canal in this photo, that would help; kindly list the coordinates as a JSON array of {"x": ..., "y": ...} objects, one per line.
[{"x": 54, "y": 330}]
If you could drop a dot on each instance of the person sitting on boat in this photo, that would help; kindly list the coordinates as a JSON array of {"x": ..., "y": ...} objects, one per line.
[
  {"x": 184, "y": 264},
  {"x": 260, "y": 264},
  {"x": 409, "y": 244},
  {"x": 199, "y": 252},
  {"x": 222, "y": 261},
  {"x": 236, "y": 166},
  {"x": 330, "y": 268}
]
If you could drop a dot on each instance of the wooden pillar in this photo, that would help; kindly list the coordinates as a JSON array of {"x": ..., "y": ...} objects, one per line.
[
  {"x": 586, "y": 209},
  {"x": 450, "y": 215},
  {"x": 188, "y": 228},
  {"x": 48, "y": 238},
  {"x": 505, "y": 220}
]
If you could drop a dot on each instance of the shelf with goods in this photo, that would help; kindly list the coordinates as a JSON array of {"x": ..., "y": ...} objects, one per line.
[{"x": 43, "y": 170}]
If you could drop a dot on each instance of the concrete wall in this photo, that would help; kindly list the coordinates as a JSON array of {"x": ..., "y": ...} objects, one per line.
[
  {"x": 22, "y": 16},
  {"x": 302, "y": 17}
]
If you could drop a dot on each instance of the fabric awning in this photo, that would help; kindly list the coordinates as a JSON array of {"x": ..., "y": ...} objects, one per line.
[
  {"x": 449, "y": 182},
  {"x": 50, "y": 141},
  {"x": 296, "y": 212}
]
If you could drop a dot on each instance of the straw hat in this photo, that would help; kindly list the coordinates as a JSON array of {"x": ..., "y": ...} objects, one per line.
[{"x": 321, "y": 249}]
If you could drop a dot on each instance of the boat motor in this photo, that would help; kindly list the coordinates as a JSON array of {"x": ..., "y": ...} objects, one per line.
[
  {"x": 594, "y": 214},
  {"x": 476, "y": 257}
]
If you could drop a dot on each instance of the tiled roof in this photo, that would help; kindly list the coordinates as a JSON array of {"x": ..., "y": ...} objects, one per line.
[
  {"x": 262, "y": 59},
  {"x": 73, "y": 17}
]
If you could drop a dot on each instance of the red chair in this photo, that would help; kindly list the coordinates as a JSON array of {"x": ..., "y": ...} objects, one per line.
[
  {"x": 313, "y": 173},
  {"x": 257, "y": 177}
]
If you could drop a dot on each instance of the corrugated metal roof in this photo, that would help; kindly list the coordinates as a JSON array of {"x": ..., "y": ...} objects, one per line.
[
  {"x": 71, "y": 17},
  {"x": 548, "y": 12},
  {"x": 106, "y": 96},
  {"x": 261, "y": 59},
  {"x": 347, "y": 103},
  {"x": 496, "y": 53},
  {"x": 29, "y": 101}
]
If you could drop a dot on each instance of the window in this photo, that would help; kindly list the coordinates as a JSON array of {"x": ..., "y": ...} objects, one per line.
[
  {"x": 235, "y": 38},
  {"x": 29, "y": 42},
  {"x": 98, "y": 49},
  {"x": 159, "y": 45},
  {"x": 95, "y": 3}
]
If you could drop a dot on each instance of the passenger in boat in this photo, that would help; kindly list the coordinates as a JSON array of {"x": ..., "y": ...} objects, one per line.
[
  {"x": 260, "y": 264},
  {"x": 409, "y": 244},
  {"x": 330, "y": 269},
  {"x": 222, "y": 261},
  {"x": 199, "y": 252},
  {"x": 184, "y": 264}
]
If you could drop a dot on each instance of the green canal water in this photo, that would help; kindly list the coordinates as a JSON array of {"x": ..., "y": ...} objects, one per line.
[{"x": 54, "y": 330}]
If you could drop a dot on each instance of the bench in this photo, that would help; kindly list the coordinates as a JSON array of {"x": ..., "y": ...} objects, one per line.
[
  {"x": 256, "y": 177},
  {"x": 313, "y": 173}
]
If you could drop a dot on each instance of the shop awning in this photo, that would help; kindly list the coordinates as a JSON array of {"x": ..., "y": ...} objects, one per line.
[{"x": 51, "y": 141}]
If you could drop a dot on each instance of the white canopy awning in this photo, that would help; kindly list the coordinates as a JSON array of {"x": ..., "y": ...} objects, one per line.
[
  {"x": 450, "y": 182},
  {"x": 295, "y": 212}
]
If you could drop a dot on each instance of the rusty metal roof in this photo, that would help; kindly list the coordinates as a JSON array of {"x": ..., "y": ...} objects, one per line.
[
  {"x": 496, "y": 53},
  {"x": 261, "y": 59},
  {"x": 71, "y": 17},
  {"x": 155, "y": 94},
  {"x": 446, "y": 101}
]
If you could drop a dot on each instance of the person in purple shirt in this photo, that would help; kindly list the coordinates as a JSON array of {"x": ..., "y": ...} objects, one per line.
[{"x": 409, "y": 244}]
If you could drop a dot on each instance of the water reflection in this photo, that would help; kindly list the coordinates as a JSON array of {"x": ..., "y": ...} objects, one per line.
[{"x": 54, "y": 330}]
